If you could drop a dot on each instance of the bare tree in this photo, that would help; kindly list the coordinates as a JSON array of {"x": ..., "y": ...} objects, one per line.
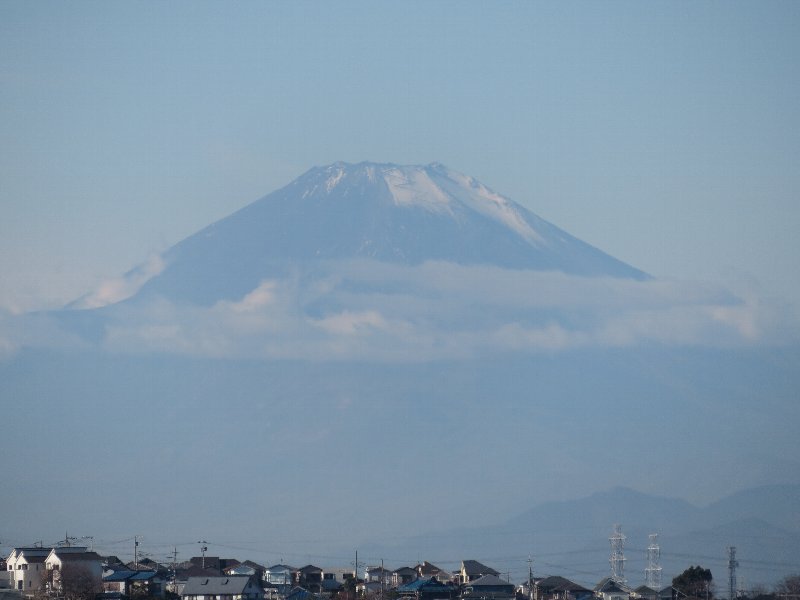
[
  {"x": 76, "y": 582},
  {"x": 789, "y": 587}
]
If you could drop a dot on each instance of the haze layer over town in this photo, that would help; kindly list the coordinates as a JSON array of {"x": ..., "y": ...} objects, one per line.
[{"x": 429, "y": 281}]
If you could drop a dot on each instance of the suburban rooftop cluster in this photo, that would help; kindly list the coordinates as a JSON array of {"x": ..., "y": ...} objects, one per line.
[{"x": 77, "y": 573}]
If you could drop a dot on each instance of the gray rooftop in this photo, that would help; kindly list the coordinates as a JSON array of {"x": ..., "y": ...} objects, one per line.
[
  {"x": 218, "y": 586},
  {"x": 473, "y": 567},
  {"x": 489, "y": 580}
]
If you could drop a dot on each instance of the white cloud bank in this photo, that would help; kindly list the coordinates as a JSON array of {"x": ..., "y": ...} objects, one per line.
[
  {"x": 364, "y": 310},
  {"x": 118, "y": 289}
]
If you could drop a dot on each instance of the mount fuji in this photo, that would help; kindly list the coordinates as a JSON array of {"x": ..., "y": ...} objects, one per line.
[
  {"x": 376, "y": 351},
  {"x": 397, "y": 214}
]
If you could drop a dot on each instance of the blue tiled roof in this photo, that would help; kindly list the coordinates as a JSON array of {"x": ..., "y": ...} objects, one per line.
[
  {"x": 119, "y": 576},
  {"x": 421, "y": 584},
  {"x": 143, "y": 575}
]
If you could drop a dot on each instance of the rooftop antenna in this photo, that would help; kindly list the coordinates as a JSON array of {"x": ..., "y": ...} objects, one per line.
[
  {"x": 652, "y": 574},
  {"x": 732, "y": 564},
  {"x": 617, "y": 559}
]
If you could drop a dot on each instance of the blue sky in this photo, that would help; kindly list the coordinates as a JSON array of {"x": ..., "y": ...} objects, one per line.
[{"x": 666, "y": 134}]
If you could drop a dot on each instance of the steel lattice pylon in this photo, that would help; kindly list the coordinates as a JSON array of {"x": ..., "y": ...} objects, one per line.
[
  {"x": 617, "y": 559},
  {"x": 652, "y": 574}
]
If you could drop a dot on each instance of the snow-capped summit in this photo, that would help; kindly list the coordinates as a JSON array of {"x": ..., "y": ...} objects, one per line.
[{"x": 386, "y": 212}]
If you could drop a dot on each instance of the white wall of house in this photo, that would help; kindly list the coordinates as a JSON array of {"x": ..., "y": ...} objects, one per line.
[
  {"x": 87, "y": 561},
  {"x": 279, "y": 576},
  {"x": 25, "y": 574}
]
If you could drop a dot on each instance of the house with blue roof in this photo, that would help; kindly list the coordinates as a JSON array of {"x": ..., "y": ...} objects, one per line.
[
  {"x": 427, "y": 589},
  {"x": 129, "y": 583}
]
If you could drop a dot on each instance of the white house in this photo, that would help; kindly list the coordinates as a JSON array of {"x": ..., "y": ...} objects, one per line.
[
  {"x": 26, "y": 570},
  {"x": 281, "y": 575},
  {"x": 60, "y": 560}
]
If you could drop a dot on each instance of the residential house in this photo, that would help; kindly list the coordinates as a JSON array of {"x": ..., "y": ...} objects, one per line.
[
  {"x": 145, "y": 564},
  {"x": 331, "y": 585},
  {"x": 282, "y": 577},
  {"x": 427, "y": 589},
  {"x": 26, "y": 569},
  {"x": 133, "y": 583},
  {"x": 208, "y": 564},
  {"x": 402, "y": 576},
  {"x": 248, "y": 567},
  {"x": 225, "y": 587},
  {"x": 645, "y": 593},
  {"x": 378, "y": 575},
  {"x": 310, "y": 578},
  {"x": 559, "y": 588},
  {"x": 333, "y": 579},
  {"x": 64, "y": 561},
  {"x": 114, "y": 563},
  {"x": 488, "y": 586},
  {"x": 609, "y": 589},
  {"x": 426, "y": 570},
  {"x": 472, "y": 570}
]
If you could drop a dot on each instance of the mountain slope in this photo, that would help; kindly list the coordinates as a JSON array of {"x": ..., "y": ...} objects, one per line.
[
  {"x": 570, "y": 538},
  {"x": 397, "y": 214}
]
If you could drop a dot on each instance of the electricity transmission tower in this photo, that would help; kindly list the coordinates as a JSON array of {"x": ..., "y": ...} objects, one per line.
[
  {"x": 652, "y": 574},
  {"x": 617, "y": 559}
]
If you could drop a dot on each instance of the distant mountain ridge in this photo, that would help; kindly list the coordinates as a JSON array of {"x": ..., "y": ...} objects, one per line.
[
  {"x": 571, "y": 537},
  {"x": 384, "y": 212}
]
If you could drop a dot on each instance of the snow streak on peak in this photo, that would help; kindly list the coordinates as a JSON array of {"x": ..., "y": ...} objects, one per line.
[
  {"x": 438, "y": 189},
  {"x": 434, "y": 188},
  {"x": 413, "y": 186},
  {"x": 334, "y": 179}
]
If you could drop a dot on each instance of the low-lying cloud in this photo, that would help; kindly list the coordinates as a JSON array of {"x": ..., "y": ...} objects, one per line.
[
  {"x": 370, "y": 311},
  {"x": 118, "y": 289}
]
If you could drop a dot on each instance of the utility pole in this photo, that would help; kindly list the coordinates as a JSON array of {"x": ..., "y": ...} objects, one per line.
[
  {"x": 732, "y": 564},
  {"x": 136, "y": 552},
  {"x": 530, "y": 577},
  {"x": 203, "y": 549},
  {"x": 174, "y": 565}
]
